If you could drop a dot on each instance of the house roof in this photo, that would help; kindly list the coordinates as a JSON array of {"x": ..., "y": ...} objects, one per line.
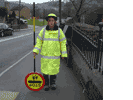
[{"x": 16, "y": 8}]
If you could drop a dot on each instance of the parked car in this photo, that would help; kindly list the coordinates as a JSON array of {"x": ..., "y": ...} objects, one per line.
[
  {"x": 21, "y": 19},
  {"x": 5, "y": 30},
  {"x": 24, "y": 21}
]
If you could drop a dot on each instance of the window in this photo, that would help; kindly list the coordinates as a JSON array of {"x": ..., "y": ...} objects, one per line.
[
  {"x": 5, "y": 26},
  {"x": 1, "y": 26}
]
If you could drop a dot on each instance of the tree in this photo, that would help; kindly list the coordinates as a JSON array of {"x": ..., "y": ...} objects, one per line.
[
  {"x": 82, "y": 7},
  {"x": 67, "y": 9},
  {"x": 13, "y": 14},
  {"x": 77, "y": 8},
  {"x": 3, "y": 13},
  {"x": 95, "y": 16},
  {"x": 37, "y": 12}
]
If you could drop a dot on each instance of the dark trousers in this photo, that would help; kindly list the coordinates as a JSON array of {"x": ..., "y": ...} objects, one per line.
[{"x": 52, "y": 79}]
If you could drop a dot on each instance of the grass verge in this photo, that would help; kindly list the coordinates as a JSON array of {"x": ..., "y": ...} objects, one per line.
[{"x": 37, "y": 22}]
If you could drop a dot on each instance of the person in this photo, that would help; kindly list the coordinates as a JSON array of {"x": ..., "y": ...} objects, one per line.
[{"x": 52, "y": 43}]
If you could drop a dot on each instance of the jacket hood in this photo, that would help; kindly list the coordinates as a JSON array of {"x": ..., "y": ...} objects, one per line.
[{"x": 55, "y": 27}]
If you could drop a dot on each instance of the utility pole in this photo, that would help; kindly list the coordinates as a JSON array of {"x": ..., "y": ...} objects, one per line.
[
  {"x": 5, "y": 15},
  {"x": 19, "y": 15},
  {"x": 5, "y": 4},
  {"x": 43, "y": 16},
  {"x": 60, "y": 11}
]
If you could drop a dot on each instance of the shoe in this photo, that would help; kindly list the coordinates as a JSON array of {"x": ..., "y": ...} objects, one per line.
[
  {"x": 46, "y": 87},
  {"x": 52, "y": 82},
  {"x": 53, "y": 87}
]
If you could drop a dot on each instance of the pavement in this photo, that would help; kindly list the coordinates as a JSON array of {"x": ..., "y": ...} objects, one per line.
[{"x": 16, "y": 61}]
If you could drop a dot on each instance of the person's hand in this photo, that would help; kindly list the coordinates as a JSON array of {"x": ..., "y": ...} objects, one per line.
[
  {"x": 62, "y": 57},
  {"x": 34, "y": 53}
]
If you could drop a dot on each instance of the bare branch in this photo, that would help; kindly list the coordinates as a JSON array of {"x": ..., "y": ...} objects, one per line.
[
  {"x": 79, "y": 7},
  {"x": 83, "y": 12},
  {"x": 74, "y": 4}
]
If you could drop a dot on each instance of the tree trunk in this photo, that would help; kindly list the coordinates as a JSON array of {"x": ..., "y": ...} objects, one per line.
[{"x": 77, "y": 18}]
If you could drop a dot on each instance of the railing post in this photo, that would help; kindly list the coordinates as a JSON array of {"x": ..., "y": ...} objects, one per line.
[
  {"x": 99, "y": 45},
  {"x": 70, "y": 51}
]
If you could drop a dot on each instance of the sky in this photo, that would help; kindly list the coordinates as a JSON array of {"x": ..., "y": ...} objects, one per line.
[{"x": 36, "y": 1}]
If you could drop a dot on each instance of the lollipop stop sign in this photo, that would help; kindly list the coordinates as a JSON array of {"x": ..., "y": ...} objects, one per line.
[{"x": 34, "y": 81}]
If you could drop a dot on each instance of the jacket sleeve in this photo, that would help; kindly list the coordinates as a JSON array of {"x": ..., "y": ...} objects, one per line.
[
  {"x": 39, "y": 42},
  {"x": 63, "y": 42}
]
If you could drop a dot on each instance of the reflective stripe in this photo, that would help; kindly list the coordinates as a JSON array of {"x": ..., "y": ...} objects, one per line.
[
  {"x": 37, "y": 48},
  {"x": 49, "y": 39},
  {"x": 63, "y": 39},
  {"x": 65, "y": 28},
  {"x": 44, "y": 32},
  {"x": 59, "y": 34},
  {"x": 63, "y": 52},
  {"x": 51, "y": 57},
  {"x": 39, "y": 37}
]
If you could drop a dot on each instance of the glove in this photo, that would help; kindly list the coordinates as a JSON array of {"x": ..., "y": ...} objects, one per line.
[{"x": 34, "y": 53}]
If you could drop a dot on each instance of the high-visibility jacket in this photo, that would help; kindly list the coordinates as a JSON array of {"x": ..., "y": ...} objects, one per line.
[{"x": 52, "y": 44}]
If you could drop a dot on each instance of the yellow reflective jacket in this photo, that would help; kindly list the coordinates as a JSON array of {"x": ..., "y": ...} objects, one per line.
[{"x": 51, "y": 43}]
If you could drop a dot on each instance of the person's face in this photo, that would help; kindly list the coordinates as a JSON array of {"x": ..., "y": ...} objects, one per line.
[{"x": 51, "y": 22}]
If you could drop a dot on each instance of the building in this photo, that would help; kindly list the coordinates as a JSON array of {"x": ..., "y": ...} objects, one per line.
[
  {"x": 24, "y": 11},
  {"x": 7, "y": 6},
  {"x": 2, "y": 4}
]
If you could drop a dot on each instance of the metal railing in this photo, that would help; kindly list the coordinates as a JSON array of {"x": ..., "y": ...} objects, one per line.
[{"x": 90, "y": 46}]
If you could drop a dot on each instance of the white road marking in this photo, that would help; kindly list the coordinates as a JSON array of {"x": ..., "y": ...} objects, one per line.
[
  {"x": 14, "y": 64},
  {"x": 16, "y": 37},
  {"x": 8, "y": 95}
]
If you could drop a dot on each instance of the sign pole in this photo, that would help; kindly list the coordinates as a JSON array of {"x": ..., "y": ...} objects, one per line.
[
  {"x": 34, "y": 81},
  {"x": 34, "y": 30}
]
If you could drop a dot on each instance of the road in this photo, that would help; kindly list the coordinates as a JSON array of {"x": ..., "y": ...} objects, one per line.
[{"x": 16, "y": 61}]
